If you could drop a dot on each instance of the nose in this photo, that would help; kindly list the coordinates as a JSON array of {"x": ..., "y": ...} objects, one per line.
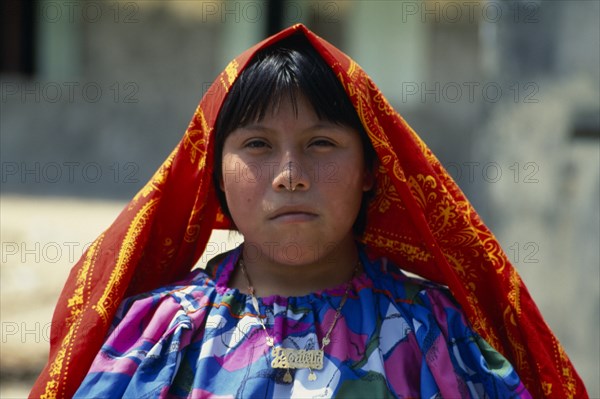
[{"x": 291, "y": 177}]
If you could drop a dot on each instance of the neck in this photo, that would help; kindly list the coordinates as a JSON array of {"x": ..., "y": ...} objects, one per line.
[{"x": 269, "y": 277}]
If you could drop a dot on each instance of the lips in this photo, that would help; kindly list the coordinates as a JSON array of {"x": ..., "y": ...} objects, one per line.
[{"x": 293, "y": 213}]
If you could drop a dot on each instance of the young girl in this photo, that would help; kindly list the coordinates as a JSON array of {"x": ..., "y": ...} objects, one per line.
[{"x": 294, "y": 147}]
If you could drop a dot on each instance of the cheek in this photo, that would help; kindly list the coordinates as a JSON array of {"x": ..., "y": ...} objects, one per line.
[
  {"x": 239, "y": 200},
  {"x": 236, "y": 170},
  {"x": 241, "y": 182},
  {"x": 345, "y": 173},
  {"x": 344, "y": 187}
]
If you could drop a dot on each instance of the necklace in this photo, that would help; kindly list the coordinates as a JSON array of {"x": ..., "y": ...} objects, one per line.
[{"x": 289, "y": 358}]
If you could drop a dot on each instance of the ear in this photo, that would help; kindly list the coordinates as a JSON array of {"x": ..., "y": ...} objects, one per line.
[{"x": 368, "y": 179}]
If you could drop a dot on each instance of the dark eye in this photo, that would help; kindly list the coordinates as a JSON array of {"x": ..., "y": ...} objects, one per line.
[
  {"x": 255, "y": 143},
  {"x": 322, "y": 143}
]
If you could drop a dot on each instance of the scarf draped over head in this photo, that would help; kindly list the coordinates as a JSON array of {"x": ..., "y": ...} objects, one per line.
[{"x": 418, "y": 218}]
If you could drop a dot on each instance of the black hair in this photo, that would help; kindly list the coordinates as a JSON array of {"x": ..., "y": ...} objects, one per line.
[{"x": 288, "y": 68}]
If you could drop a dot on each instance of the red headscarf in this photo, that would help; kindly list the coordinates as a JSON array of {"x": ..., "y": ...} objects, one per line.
[{"x": 418, "y": 218}]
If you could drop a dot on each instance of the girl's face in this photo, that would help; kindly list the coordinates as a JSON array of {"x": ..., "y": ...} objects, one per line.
[{"x": 294, "y": 184}]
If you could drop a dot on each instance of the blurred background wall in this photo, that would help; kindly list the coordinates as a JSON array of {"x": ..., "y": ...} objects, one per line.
[{"x": 95, "y": 94}]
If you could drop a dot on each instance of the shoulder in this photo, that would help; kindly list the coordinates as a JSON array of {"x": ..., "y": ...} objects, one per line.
[
  {"x": 147, "y": 302},
  {"x": 199, "y": 283},
  {"x": 215, "y": 265},
  {"x": 410, "y": 287},
  {"x": 415, "y": 298}
]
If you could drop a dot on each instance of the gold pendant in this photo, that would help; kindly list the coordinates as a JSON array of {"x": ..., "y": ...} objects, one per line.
[
  {"x": 287, "y": 377},
  {"x": 288, "y": 358}
]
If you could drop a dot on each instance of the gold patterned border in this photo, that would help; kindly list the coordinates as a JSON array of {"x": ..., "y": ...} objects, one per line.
[
  {"x": 127, "y": 248},
  {"x": 77, "y": 303}
]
